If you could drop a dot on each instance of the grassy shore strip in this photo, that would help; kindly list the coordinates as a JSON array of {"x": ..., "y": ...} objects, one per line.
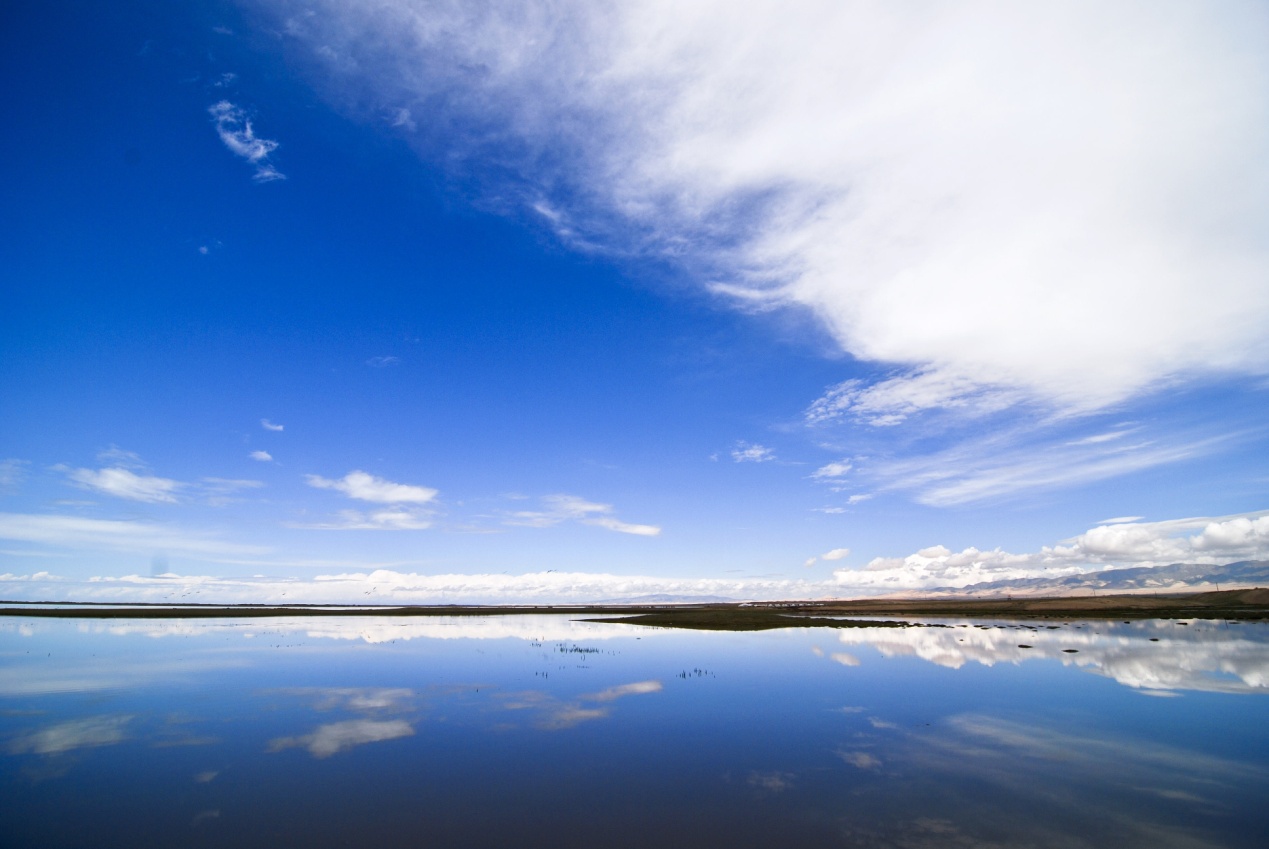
[
  {"x": 1247, "y": 604},
  {"x": 743, "y": 619}
]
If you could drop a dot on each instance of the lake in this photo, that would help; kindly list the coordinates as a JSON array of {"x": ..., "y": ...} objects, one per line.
[{"x": 546, "y": 731}]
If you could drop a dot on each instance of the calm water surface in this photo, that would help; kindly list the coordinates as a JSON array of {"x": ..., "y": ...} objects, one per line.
[{"x": 541, "y": 731}]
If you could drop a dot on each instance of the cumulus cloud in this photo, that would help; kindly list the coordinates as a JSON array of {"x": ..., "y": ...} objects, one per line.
[
  {"x": 389, "y": 586},
  {"x": 836, "y": 554},
  {"x": 570, "y": 508},
  {"x": 262, "y": 456},
  {"x": 366, "y": 487},
  {"x": 1195, "y": 540},
  {"x": 1202, "y": 540},
  {"x": 268, "y": 425},
  {"x": 1062, "y": 204},
  {"x": 235, "y": 130},
  {"x": 751, "y": 452}
]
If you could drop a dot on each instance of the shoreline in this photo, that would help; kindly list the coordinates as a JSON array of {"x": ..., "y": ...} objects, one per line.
[{"x": 1244, "y": 604}]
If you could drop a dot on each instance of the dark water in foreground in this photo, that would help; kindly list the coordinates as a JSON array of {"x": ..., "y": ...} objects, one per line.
[{"x": 540, "y": 731}]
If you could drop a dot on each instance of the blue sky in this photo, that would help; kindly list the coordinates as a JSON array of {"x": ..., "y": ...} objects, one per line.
[{"x": 582, "y": 301}]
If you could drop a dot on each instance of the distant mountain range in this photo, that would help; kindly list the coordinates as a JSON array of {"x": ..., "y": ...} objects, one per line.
[{"x": 1177, "y": 577}]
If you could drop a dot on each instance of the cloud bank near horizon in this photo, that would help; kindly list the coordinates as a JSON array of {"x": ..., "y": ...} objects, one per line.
[
  {"x": 1202, "y": 540},
  {"x": 1002, "y": 204}
]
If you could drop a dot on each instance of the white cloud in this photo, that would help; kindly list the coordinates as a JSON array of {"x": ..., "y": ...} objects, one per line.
[
  {"x": 836, "y": 554},
  {"x": 12, "y": 473},
  {"x": 1009, "y": 461},
  {"x": 1119, "y": 520},
  {"x": 566, "y": 508},
  {"x": 222, "y": 491},
  {"x": 387, "y": 586},
  {"x": 403, "y": 118},
  {"x": 383, "y": 362},
  {"x": 1213, "y": 540},
  {"x": 235, "y": 130},
  {"x": 388, "y": 519},
  {"x": 366, "y": 487},
  {"x": 124, "y": 483},
  {"x": 751, "y": 452},
  {"x": 268, "y": 425},
  {"x": 832, "y": 470},
  {"x": 1195, "y": 540},
  {"x": 1063, "y": 203},
  {"x": 262, "y": 456},
  {"x": 78, "y": 533}
]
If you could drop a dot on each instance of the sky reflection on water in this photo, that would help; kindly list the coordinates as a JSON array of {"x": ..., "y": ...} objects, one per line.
[{"x": 546, "y": 731}]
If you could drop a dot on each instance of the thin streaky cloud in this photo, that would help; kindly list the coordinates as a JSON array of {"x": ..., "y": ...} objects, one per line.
[
  {"x": 235, "y": 130},
  {"x": 75, "y": 532},
  {"x": 268, "y": 425},
  {"x": 12, "y": 473},
  {"x": 570, "y": 508}
]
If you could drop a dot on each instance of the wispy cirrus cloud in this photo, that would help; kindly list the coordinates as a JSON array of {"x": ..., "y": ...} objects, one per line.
[
  {"x": 268, "y": 425},
  {"x": 79, "y": 533},
  {"x": 918, "y": 177},
  {"x": 235, "y": 130},
  {"x": 388, "y": 519},
  {"x": 12, "y": 473},
  {"x": 1016, "y": 460},
  {"x": 570, "y": 508}
]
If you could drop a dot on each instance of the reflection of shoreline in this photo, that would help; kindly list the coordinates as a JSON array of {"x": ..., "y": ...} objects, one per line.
[
  {"x": 367, "y": 629},
  {"x": 1158, "y": 657}
]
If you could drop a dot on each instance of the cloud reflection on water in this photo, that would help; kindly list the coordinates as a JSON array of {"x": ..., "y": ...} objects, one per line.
[
  {"x": 1204, "y": 656},
  {"x": 986, "y": 780},
  {"x": 335, "y": 737},
  {"x": 63, "y": 737}
]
